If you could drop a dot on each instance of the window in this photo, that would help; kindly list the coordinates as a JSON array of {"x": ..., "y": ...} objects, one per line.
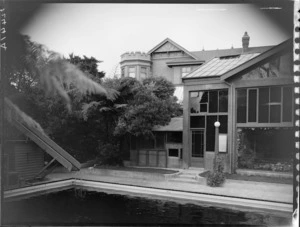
[
  {"x": 210, "y": 133},
  {"x": 185, "y": 71},
  {"x": 156, "y": 142},
  {"x": 143, "y": 72},
  {"x": 174, "y": 137},
  {"x": 197, "y": 122},
  {"x": 132, "y": 72},
  {"x": 215, "y": 101},
  {"x": 173, "y": 153},
  {"x": 265, "y": 105},
  {"x": 252, "y": 104},
  {"x": 197, "y": 143},
  {"x": 159, "y": 140},
  {"x": 122, "y": 72}
]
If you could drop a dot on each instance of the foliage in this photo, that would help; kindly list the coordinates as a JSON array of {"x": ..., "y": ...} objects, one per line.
[
  {"x": 152, "y": 104},
  {"x": 32, "y": 64},
  {"x": 88, "y": 66},
  {"x": 109, "y": 154},
  {"x": 216, "y": 178},
  {"x": 277, "y": 167},
  {"x": 162, "y": 88},
  {"x": 255, "y": 153},
  {"x": 134, "y": 112}
]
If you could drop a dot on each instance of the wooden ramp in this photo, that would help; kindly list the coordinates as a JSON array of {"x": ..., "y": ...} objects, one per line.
[{"x": 49, "y": 146}]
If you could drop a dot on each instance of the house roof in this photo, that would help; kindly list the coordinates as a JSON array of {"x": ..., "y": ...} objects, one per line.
[
  {"x": 206, "y": 55},
  {"x": 175, "y": 125},
  {"x": 219, "y": 65},
  {"x": 173, "y": 43},
  {"x": 228, "y": 65}
]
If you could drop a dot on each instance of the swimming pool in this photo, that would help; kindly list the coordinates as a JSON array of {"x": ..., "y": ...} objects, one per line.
[{"x": 81, "y": 207}]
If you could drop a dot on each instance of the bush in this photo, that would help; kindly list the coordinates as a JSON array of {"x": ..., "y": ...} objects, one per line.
[
  {"x": 109, "y": 154},
  {"x": 216, "y": 178}
]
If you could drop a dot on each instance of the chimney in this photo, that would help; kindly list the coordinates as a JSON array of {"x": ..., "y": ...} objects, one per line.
[{"x": 245, "y": 40}]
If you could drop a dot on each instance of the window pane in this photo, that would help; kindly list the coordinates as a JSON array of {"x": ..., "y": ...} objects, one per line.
[
  {"x": 275, "y": 113},
  {"x": 275, "y": 94},
  {"x": 203, "y": 107},
  {"x": 194, "y": 102},
  {"x": 223, "y": 101},
  {"x": 223, "y": 119},
  {"x": 173, "y": 153},
  {"x": 252, "y": 102},
  {"x": 241, "y": 105},
  {"x": 210, "y": 133},
  {"x": 131, "y": 71},
  {"x": 263, "y": 114},
  {"x": 197, "y": 122},
  {"x": 204, "y": 98},
  {"x": 197, "y": 143},
  {"x": 213, "y": 101},
  {"x": 287, "y": 104},
  {"x": 160, "y": 139}
]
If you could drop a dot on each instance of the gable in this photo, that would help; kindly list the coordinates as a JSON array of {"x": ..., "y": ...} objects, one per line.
[
  {"x": 167, "y": 47},
  {"x": 277, "y": 67},
  {"x": 268, "y": 70}
]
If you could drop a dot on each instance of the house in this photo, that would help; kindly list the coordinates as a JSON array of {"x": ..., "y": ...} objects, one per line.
[
  {"x": 248, "y": 90},
  {"x": 163, "y": 150}
]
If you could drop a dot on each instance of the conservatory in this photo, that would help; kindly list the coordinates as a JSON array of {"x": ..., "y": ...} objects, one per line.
[{"x": 251, "y": 95}]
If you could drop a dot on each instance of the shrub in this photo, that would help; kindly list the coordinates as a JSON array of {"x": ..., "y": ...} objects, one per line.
[
  {"x": 109, "y": 154},
  {"x": 216, "y": 178}
]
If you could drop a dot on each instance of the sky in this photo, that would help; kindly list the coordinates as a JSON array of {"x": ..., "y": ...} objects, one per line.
[{"x": 106, "y": 31}]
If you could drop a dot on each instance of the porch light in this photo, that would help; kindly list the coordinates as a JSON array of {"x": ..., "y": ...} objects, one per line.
[{"x": 217, "y": 124}]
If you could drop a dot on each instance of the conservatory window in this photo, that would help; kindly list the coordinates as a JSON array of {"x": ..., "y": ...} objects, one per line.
[{"x": 264, "y": 105}]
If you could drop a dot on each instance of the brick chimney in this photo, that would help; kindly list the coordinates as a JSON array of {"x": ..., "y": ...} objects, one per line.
[{"x": 245, "y": 40}]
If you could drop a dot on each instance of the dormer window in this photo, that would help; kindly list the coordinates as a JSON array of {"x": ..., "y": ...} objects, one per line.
[{"x": 185, "y": 71}]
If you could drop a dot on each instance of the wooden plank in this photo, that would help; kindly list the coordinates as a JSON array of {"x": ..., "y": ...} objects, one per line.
[
  {"x": 44, "y": 146},
  {"x": 45, "y": 167},
  {"x": 57, "y": 148}
]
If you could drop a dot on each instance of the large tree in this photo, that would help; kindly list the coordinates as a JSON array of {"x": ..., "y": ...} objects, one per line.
[{"x": 140, "y": 106}]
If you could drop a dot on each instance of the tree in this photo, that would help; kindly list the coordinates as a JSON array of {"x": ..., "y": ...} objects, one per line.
[
  {"x": 88, "y": 66},
  {"x": 140, "y": 106},
  {"x": 33, "y": 69}
]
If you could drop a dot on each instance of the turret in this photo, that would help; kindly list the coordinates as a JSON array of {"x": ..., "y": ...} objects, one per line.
[{"x": 135, "y": 64}]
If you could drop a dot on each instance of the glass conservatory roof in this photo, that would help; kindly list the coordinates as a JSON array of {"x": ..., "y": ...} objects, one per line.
[{"x": 220, "y": 65}]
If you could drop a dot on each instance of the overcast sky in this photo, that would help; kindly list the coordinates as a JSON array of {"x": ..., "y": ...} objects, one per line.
[{"x": 105, "y": 31}]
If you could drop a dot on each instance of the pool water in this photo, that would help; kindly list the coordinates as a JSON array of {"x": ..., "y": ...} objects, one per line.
[{"x": 80, "y": 207}]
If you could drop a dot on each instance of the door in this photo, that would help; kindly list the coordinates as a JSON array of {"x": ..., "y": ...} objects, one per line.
[{"x": 197, "y": 148}]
